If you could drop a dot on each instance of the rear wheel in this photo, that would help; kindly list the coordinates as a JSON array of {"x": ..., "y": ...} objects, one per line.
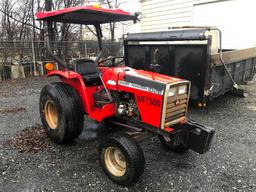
[
  {"x": 61, "y": 112},
  {"x": 51, "y": 114},
  {"x": 121, "y": 158},
  {"x": 173, "y": 143}
]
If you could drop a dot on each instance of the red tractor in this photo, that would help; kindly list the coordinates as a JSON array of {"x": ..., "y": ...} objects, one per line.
[{"x": 137, "y": 103}]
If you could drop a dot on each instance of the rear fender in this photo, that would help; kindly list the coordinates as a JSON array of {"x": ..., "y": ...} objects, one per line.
[{"x": 75, "y": 80}]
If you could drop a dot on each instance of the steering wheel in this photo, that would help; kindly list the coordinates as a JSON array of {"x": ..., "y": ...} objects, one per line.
[{"x": 110, "y": 62}]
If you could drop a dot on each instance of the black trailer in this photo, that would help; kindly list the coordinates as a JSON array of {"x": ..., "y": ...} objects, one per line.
[{"x": 194, "y": 54}]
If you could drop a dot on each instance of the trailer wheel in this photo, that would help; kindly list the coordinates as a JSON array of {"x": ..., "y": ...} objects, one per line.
[
  {"x": 121, "y": 158},
  {"x": 61, "y": 112},
  {"x": 172, "y": 144}
]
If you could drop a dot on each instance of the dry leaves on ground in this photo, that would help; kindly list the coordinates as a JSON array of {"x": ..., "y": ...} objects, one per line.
[
  {"x": 12, "y": 110},
  {"x": 30, "y": 140}
]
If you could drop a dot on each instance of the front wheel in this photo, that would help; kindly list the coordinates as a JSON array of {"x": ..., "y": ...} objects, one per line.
[
  {"x": 173, "y": 143},
  {"x": 121, "y": 158},
  {"x": 61, "y": 112}
]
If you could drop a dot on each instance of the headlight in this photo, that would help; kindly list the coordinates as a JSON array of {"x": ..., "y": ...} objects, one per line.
[
  {"x": 172, "y": 92},
  {"x": 182, "y": 89}
]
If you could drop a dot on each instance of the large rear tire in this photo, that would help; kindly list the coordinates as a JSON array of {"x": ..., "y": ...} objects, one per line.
[
  {"x": 61, "y": 112},
  {"x": 121, "y": 158}
]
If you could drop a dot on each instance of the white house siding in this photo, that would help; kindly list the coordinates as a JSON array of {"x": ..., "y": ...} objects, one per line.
[
  {"x": 235, "y": 18},
  {"x": 159, "y": 15}
]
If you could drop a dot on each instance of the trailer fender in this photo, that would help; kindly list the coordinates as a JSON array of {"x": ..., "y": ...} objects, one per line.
[{"x": 75, "y": 80}]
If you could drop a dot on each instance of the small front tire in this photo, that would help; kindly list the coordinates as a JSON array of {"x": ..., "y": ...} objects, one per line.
[{"x": 121, "y": 158}]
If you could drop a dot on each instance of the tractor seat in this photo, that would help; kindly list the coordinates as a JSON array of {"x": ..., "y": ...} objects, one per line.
[{"x": 87, "y": 68}]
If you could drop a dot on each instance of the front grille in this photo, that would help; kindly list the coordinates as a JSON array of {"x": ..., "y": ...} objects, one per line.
[{"x": 175, "y": 107}]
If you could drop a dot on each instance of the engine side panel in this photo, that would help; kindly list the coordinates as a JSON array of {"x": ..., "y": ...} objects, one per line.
[
  {"x": 147, "y": 88},
  {"x": 149, "y": 105}
]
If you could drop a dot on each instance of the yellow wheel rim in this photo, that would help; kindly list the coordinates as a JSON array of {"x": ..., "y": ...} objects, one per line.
[
  {"x": 51, "y": 114},
  {"x": 115, "y": 161}
]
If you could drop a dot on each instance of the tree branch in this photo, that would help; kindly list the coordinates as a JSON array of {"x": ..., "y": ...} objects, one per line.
[{"x": 18, "y": 20}]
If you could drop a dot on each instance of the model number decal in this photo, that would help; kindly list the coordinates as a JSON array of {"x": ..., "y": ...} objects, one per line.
[{"x": 149, "y": 101}]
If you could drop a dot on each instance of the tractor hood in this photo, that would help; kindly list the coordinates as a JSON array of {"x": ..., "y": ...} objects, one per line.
[
  {"x": 137, "y": 79},
  {"x": 147, "y": 81},
  {"x": 142, "y": 75}
]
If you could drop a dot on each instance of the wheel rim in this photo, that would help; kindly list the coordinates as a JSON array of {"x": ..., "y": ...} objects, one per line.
[
  {"x": 115, "y": 161},
  {"x": 51, "y": 114}
]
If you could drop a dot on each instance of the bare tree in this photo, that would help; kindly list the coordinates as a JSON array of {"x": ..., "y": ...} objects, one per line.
[{"x": 19, "y": 29}]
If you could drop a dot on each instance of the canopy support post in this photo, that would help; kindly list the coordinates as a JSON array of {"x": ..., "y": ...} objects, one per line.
[{"x": 99, "y": 35}]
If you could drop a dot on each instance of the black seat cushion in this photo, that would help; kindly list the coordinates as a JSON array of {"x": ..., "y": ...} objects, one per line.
[
  {"x": 85, "y": 66},
  {"x": 92, "y": 79},
  {"x": 88, "y": 69}
]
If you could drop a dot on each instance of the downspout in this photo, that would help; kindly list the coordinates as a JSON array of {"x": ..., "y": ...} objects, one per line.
[{"x": 235, "y": 85}]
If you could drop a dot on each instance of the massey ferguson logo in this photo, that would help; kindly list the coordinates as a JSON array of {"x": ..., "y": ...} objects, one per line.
[{"x": 140, "y": 87}]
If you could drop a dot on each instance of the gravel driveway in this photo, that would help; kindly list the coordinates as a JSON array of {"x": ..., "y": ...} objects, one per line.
[{"x": 230, "y": 165}]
